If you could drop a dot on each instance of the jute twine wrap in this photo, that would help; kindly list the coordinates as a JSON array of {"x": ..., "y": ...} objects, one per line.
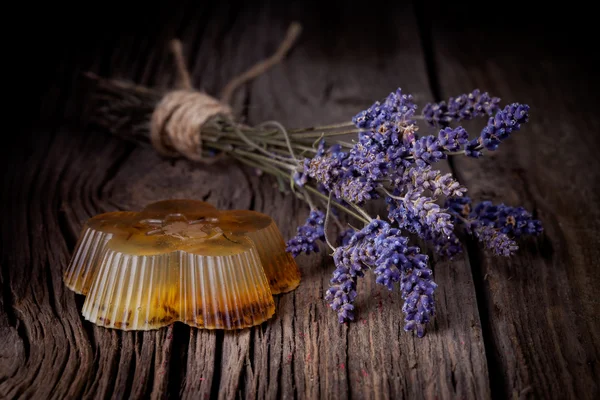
[
  {"x": 176, "y": 124},
  {"x": 177, "y": 121}
]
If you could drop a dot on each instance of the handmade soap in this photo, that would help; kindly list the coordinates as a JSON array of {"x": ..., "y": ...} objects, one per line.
[{"x": 180, "y": 260}]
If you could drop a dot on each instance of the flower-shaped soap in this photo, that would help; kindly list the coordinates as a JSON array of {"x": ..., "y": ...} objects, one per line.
[{"x": 180, "y": 260}]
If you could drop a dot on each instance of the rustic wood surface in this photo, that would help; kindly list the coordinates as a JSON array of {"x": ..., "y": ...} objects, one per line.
[{"x": 527, "y": 327}]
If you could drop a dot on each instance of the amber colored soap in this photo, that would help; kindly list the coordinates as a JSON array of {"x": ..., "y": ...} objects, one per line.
[{"x": 180, "y": 260}]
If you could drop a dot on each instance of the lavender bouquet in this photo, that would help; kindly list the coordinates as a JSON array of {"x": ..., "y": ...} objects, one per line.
[
  {"x": 390, "y": 161},
  {"x": 338, "y": 169}
]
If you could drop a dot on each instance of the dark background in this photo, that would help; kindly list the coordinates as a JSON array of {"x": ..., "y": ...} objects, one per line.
[{"x": 46, "y": 38}]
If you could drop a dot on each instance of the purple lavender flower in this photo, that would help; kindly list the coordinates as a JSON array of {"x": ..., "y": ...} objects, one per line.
[
  {"x": 389, "y": 144},
  {"x": 514, "y": 221},
  {"x": 417, "y": 288},
  {"x": 401, "y": 107},
  {"x": 396, "y": 261},
  {"x": 418, "y": 214},
  {"x": 446, "y": 245},
  {"x": 473, "y": 149},
  {"x": 396, "y": 109},
  {"x": 437, "y": 114},
  {"x": 453, "y": 139},
  {"x": 350, "y": 264},
  {"x": 380, "y": 154},
  {"x": 342, "y": 291},
  {"x": 463, "y": 107},
  {"x": 494, "y": 225},
  {"x": 503, "y": 124},
  {"x": 308, "y": 235},
  {"x": 337, "y": 173},
  {"x": 459, "y": 205},
  {"x": 345, "y": 236},
  {"x": 327, "y": 167},
  {"x": 356, "y": 189},
  {"x": 422, "y": 179},
  {"x": 371, "y": 117},
  {"x": 377, "y": 160},
  {"x": 427, "y": 150},
  {"x": 390, "y": 159},
  {"x": 300, "y": 178},
  {"x": 496, "y": 241},
  {"x": 379, "y": 247},
  {"x": 381, "y": 150}
]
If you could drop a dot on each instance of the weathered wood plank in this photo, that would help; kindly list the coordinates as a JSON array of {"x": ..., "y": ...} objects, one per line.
[
  {"x": 541, "y": 308},
  {"x": 373, "y": 356},
  {"x": 56, "y": 184}
]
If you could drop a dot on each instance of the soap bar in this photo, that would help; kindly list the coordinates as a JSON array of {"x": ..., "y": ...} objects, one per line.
[{"x": 180, "y": 260}]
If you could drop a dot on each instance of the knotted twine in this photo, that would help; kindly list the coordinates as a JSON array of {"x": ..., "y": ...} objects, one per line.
[{"x": 177, "y": 120}]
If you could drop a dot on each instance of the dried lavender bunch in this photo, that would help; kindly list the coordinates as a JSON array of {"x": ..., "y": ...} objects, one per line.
[
  {"x": 387, "y": 161},
  {"x": 390, "y": 160}
]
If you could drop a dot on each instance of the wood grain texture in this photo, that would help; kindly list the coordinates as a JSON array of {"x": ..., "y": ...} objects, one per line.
[
  {"x": 61, "y": 173},
  {"x": 541, "y": 307}
]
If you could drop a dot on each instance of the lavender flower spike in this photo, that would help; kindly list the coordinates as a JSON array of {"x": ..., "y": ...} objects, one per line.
[
  {"x": 495, "y": 226},
  {"x": 345, "y": 236},
  {"x": 417, "y": 291},
  {"x": 422, "y": 179},
  {"x": 453, "y": 139},
  {"x": 503, "y": 124},
  {"x": 463, "y": 107},
  {"x": 514, "y": 221},
  {"x": 308, "y": 235},
  {"x": 495, "y": 240},
  {"x": 384, "y": 250},
  {"x": 342, "y": 292}
]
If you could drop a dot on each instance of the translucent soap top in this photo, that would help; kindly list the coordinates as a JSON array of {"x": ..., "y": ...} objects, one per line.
[{"x": 192, "y": 226}]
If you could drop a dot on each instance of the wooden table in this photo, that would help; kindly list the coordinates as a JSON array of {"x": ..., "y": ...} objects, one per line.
[{"x": 517, "y": 328}]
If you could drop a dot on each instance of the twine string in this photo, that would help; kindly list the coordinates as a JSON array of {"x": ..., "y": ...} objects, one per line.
[
  {"x": 182, "y": 71},
  {"x": 177, "y": 121},
  {"x": 261, "y": 67}
]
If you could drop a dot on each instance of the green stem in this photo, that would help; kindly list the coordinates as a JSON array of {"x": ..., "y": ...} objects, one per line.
[
  {"x": 278, "y": 172},
  {"x": 361, "y": 211},
  {"x": 308, "y": 200},
  {"x": 266, "y": 159},
  {"x": 338, "y": 205},
  {"x": 315, "y": 142},
  {"x": 278, "y": 143},
  {"x": 235, "y": 141},
  {"x": 251, "y": 143},
  {"x": 326, "y": 221},
  {"x": 345, "y": 144},
  {"x": 322, "y": 127},
  {"x": 391, "y": 195},
  {"x": 210, "y": 135},
  {"x": 324, "y": 134},
  {"x": 286, "y": 136},
  {"x": 311, "y": 129},
  {"x": 264, "y": 168},
  {"x": 338, "y": 222}
]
